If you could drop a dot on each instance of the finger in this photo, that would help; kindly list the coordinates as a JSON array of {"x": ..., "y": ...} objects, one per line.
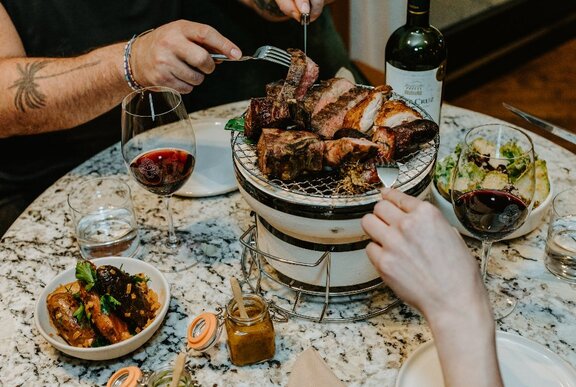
[
  {"x": 303, "y": 6},
  {"x": 405, "y": 202},
  {"x": 211, "y": 39},
  {"x": 375, "y": 228},
  {"x": 375, "y": 253},
  {"x": 289, "y": 8},
  {"x": 196, "y": 57},
  {"x": 388, "y": 212},
  {"x": 187, "y": 74},
  {"x": 316, "y": 7}
]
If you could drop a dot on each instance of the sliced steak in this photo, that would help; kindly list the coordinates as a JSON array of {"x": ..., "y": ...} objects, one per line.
[
  {"x": 325, "y": 92},
  {"x": 331, "y": 117},
  {"x": 348, "y": 149},
  {"x": 395, "y": 112},
  {"x": 309, "y": 75},
  {"x": 273, "y": 89},
  {"x": 362, "y": 115},
  {"x": 302, "y": 74},
  {"x": 262, "y": 113},
  {"x": 287, "y": 154}
]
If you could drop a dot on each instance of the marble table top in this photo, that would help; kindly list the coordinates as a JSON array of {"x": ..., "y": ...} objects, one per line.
[{"x": 40, "y": 244}]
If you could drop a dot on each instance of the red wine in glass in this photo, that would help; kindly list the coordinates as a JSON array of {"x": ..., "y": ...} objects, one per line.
[
  {"x": 490, "y": 214},
  {"x": 492, "y": 190},
  {"x": 159, "y": 149},
  {"x": 163, "y": 171}
]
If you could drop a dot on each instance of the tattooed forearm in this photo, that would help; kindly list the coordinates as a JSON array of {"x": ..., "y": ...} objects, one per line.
[
  {"x": 28, "y": 94},
  {"x": 269, "y": 6}
]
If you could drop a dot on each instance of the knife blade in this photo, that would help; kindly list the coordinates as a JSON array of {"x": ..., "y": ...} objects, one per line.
[
  {"x": 305, "y": 20},
  {"x": 539, "y": 122}
]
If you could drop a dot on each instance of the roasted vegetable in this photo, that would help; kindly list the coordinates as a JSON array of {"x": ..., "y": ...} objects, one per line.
[
  {"x": 542, "y": 186},
  {"x": 470, "y": 176},
  {"x": 443, "y": 172},
  {"x": 495, "y": 180}
]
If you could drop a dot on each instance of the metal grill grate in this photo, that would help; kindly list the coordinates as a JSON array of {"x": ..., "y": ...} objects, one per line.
[{"x": 325, "y": 185}]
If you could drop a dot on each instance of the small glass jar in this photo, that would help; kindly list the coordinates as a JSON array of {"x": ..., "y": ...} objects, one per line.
[
  {"x": 134, "y": 377},
  {"x": 250, "y": 340}
]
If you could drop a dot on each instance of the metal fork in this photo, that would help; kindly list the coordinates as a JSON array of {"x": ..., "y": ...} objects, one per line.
[
  {"x": 388, "y": 172},
  {"x": 269, "y": 53}
]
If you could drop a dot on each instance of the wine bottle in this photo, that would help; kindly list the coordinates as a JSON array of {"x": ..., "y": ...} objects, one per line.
[{"x": 416, "y": 59}]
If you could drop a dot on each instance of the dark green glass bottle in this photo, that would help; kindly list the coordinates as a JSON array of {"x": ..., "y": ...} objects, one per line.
[{"x": 416, "y": 59}]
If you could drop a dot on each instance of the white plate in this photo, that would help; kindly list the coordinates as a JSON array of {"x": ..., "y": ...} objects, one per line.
[
  {"x": 523, "y": 363},
  {"x": 214, "y": 171},
  {"x": 157, "y": 283}
]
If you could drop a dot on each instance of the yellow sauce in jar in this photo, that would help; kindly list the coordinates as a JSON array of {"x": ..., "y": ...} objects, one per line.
[{"x": 250, "y": 340}]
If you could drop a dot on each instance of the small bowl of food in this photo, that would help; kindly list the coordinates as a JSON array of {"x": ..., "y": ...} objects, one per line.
[
  {"x": 104, "y": 308},
  {"x": 443, "y": 181}
]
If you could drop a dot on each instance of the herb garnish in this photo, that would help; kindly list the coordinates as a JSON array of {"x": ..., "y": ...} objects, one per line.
[
  {"x": 86, "y": 273},
  {"x": 108, "y": 303}
]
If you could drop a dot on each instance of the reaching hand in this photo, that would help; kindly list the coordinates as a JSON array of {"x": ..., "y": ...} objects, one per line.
[
  {"x": 177, "y": 55},
  {"x": 421, "y": 257},
  {"x": 276, "y": 10}
]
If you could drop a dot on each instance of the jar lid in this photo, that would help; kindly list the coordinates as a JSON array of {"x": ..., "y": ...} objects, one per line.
[
  {"x": 203, "y": 331},
  {"x": 125, "y": 377}
]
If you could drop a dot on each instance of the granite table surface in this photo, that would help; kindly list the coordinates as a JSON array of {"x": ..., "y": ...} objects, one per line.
[{"x": 40, "y": 245}]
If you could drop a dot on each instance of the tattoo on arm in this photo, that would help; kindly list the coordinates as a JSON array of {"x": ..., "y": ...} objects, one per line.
[
  {"x": 269, "y": 6},
  {"x": 28, "y": 94}
]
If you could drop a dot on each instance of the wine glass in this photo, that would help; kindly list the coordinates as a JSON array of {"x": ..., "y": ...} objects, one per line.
[
  {"x": 158, "y": 144},
  {"x": 492, "y": 190}
]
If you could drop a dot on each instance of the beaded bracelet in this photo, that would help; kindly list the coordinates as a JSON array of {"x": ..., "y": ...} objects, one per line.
[{"x": 128, "y": 75}]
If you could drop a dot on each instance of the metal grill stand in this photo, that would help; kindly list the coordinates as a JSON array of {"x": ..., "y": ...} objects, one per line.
[{"x": 315, "y": 303}]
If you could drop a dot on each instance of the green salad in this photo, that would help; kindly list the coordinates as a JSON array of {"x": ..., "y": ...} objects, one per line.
[{"x": 484, "y": 175}]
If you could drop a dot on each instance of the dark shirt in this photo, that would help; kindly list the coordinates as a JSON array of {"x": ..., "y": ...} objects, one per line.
[{"x": 63, "y": 28}]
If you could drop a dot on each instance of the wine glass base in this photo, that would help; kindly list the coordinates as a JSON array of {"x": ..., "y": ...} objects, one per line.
[
  {"x": 502, "y": 304},
  {"x": 165, "y": 256}
]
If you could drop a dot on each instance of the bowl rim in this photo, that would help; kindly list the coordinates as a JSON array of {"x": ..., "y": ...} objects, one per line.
[{"x": 58, "y": 280}]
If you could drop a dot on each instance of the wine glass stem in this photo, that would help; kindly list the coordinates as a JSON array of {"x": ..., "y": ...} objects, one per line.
[
  {"x": 172, "y": 239},
  {"x": 486, "y": 246}
]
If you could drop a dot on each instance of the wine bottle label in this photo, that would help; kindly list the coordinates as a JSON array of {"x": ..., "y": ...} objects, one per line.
[{"x": 424, "y": 88}]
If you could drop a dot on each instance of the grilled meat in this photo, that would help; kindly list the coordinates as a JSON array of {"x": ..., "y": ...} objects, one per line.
[
  {"x": 395, "y": 112},
  {"x": 274, "y": 88},
  {"x": 274, "y": 110},
  {"x": 353, "y": 133},
  {"x": 108, "y": 324},
  {"x": 134, "y": 306},
  {"x": 328, "y": 120},
  {"x": 409, "y": 136},
  {"x": 287, "y": 154},
  {"x": 261, "y": 114},
  {"x": 362, "y": 115},
  {"x": 324, "y": 93},
  {"x": 385, "y": 138},
  {"x": 61, "y": 308},
  {"x": 399, "y": 141},
  {"x": 309, "y": 75},
  {"x": 348, "y": 149}
]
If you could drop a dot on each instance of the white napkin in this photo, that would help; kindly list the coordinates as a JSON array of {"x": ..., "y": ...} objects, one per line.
[{"x": 310, "y": 370}]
